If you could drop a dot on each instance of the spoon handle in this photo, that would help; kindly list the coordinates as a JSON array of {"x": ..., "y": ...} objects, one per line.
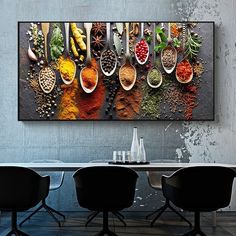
[
  {"x": 88, "y": 30},
  {"x": 142, "y": 29},
  {"x": 169, "y": 32},
  {"x": 45, "y": 30},
  {"x": 108, "y": 28},
  {"x": 154, "y": 44},
  {"x": 67, "y": 36},
  {"x": 127, "y": 39}
]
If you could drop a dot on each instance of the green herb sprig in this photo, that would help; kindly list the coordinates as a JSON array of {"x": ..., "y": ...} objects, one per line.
[{"x": 193, "y": 45}]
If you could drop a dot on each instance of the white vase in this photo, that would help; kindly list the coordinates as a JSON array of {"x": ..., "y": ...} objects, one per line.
[{"x": 134, "y": 145}]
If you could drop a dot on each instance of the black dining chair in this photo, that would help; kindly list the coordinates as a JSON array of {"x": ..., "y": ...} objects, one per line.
[
  {"x": 21, "y": 189},
  {"x": 199, "y": 189},
  {"x": 105, "y": 189}
]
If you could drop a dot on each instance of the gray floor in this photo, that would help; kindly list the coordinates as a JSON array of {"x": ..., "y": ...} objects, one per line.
[{"x": 42, "y": 225}]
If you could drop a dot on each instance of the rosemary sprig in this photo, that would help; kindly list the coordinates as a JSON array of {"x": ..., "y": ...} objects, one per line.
[{"x": 193, "y": 45}]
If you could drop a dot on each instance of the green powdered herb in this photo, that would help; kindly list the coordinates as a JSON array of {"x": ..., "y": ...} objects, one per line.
[
  {"x": 154, "y": 77},
  {"x": 56, "y": 42}
]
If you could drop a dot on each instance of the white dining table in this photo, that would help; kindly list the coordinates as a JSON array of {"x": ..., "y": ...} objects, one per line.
[{"x": 73, "y": 166}]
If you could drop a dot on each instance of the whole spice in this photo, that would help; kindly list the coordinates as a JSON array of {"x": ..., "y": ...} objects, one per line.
[
  {"x": 175, "y": 30},
  {"x": 168, "y": 57},
  {"x": 184, "y": 70},
  {"x": 89, "y": 77},
  {"x": 66, "y": 68},
  {"x": 73, "y": 47},
  {"x": 108, "y": 60},
  {"x": 141, "y": 50},
  {"x": 79, "y": 36},
  {"x": 68, "y": 108},
  {"x": 31, "y": 54},
  {"x": 56, "y": 42},
  {"x": 98, "y": 42},
  {"x": 47, "y": 79},
  {"x": 99, "y": 28},
  {"x": 154, "y": 77},
  {"x": 127, "y": 75}
]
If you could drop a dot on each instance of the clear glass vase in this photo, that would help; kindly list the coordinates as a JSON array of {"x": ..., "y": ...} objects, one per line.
[
  {"x": 134, "y": 146},
  {"x": 141, "y": 152}
]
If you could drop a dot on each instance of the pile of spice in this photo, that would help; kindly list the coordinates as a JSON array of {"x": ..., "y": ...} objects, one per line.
[
  {"x": 168, "y": 57},
  {"x": 127, "y": 75},
  {"x": 89, "y": 77},
  {"x": 184, "y": 71},
  {"x": 108, "y": 61},
  {"x": 127, "y": 103},
  {"x": 141, "y": 50},
  {"x": 67, "y": 68},
  {"x": 90, "y": 104},
  {"x": 154, "y": 77},
  {"x": 68, "y": 109},
  {"x": 198, "y": 68}
]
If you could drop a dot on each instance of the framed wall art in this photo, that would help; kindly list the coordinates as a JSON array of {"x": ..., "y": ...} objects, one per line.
[{"x": 115, "y": 71}]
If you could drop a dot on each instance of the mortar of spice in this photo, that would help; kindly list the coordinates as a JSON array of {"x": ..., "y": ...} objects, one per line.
[
  {"x": 184, "y": 72},
  {"x": 154, "y": 78},
  {"x": 127, "y": 75}
]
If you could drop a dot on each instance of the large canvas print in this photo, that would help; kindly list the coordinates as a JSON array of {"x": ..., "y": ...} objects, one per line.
[{"x": 115, "y": 71}]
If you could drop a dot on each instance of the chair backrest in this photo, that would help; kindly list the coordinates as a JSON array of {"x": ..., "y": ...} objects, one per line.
[
  {"x": 154, "y": 177},
  {"x": 21, "y": 188},
  {"x": 105, "y": 187},
  {"x": 202, "y": 188},
  {"x": 56, "y": 177}
]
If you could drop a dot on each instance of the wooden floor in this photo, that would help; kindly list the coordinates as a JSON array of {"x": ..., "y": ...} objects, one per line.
[{"x": 169, "y": 225}]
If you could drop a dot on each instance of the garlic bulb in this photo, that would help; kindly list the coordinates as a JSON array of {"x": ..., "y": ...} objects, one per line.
[{"x": 31, "y": 54}]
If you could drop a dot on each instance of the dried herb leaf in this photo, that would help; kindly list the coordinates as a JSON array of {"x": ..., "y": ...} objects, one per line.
[{"x": 120, "y": 28}]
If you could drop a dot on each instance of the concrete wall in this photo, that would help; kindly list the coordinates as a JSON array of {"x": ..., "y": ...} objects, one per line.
[{"x": 85, "y": 141}]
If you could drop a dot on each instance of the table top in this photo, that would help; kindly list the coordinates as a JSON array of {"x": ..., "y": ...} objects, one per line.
[{"x": 147, "y": 167}]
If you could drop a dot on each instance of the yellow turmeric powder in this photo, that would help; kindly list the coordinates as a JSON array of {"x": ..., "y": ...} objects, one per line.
[
  {"x": 66, "y": 68},
  {"x": 68, "y": 109}
]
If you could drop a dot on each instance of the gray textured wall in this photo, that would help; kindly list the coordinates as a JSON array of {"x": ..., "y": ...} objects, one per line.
[{"x": 84, "y": 141}]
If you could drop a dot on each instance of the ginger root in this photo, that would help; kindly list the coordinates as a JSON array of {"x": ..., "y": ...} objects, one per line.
[
  {"x": 73, "y": 47},
  {"x": 79, "y": 36}
]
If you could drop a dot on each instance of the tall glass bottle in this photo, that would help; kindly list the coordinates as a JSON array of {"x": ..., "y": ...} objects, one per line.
[
  {"x": 141, "y": 152},
  {"x": 134, "y": 145}
]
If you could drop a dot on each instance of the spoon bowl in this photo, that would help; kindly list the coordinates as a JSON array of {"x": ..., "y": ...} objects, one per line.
[
  {"x": 148, "y": 80},
  {"x": 184, "y": 81},
  {"x": 87, "y": 90}
]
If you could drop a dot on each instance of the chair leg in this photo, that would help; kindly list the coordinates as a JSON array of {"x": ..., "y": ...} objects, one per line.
[
  {"x": 180, "y": 215},
  {"x": 153, "y": 213},
  {"x": 48, "y": 209},
  {"x": 120, "y": 217},
  {"x": 28, "y": 217},
  {"x": 14, "y": 229},
  {"x": 91, "y": 217},
  {"x": 161, "y": 210},
  {"x": 197, "y": 229}
]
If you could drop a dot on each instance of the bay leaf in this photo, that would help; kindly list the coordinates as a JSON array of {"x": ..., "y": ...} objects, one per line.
[
  {"x": 120, "y": 28},
  {"x": 117, "y": 43}
]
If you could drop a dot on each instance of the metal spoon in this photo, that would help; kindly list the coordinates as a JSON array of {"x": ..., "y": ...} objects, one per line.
[
  {"x": 127, "y": 62},
  {"x": 88, "y": 27},
  {"x": 154, "y": 65},
  {"x": 47, "y": 83},
  {"x": 142, "y": 38},
  {"x": 169, "y": 70},
  {"x": 108, "y": 48},
  {"x": 66, "y": 81}
]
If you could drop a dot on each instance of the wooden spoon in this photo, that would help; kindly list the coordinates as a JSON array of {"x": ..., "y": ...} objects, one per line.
[
  {"x": 47, "y": 77},
  {"x": 127, "y": 62},
  {"x": 88, "y": 27},
  {"x": 169, "y": 70}
]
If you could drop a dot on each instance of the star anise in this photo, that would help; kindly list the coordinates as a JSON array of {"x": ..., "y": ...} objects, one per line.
[
  {"x": 99, "y": 28},
  {"x": 98, "y": 42}
]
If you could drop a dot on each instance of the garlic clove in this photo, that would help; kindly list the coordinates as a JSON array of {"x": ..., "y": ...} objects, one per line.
[{"x": 31, "y": 54}]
